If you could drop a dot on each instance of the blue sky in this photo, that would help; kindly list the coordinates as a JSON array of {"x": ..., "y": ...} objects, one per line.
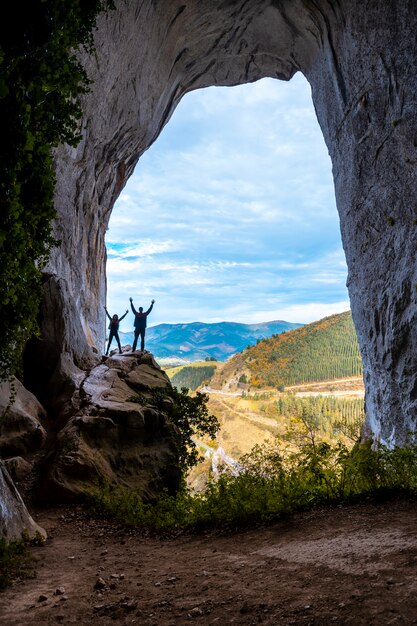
[{"x": 230, "y": 215}]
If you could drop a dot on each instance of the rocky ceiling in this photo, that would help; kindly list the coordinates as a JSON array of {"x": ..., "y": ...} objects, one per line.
[{"x": 360, "y": 59}]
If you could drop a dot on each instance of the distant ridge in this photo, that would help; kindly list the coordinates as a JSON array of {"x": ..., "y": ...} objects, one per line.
[
  {"x": 324, "y": 350},
  {"x": 197, "y": 341}
]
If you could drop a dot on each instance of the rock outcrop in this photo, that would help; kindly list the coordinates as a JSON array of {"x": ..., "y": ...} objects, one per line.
[
  {"x": 117, "y": 436},
  {"x": 14, "y": 516},
  {"x": 360, "y": 59},
  {"x": 113, "y": 430},
  {"x": 21, "y": 433},
  {"x": 21, "y": 414}
]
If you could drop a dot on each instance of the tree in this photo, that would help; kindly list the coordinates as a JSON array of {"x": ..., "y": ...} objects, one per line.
[{"x": 190, "y": 416}]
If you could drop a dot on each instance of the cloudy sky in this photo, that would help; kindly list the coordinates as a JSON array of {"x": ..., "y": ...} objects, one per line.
[{"x": 231, "y": 215}]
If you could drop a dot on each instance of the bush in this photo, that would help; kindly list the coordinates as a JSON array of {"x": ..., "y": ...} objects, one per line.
[
  {"x": 190, "y": 416},
  {"x": 16, "y": 561},
  {"x": 273, "y": 483}
]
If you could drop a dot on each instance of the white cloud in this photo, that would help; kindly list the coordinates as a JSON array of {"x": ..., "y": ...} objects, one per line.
[
  {"x": 145, "y": 248},
  {"x": 231, "y": 213}
]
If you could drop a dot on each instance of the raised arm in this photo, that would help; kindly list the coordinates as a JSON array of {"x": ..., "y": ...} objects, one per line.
[
  {"x": 107, "y": 313},
  {"x": 150, "y": 308},
  {"x": 123, "y": 316},
  {"x": 132, "y": 307}
]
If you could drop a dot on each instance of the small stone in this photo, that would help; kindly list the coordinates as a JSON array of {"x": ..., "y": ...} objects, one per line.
[
  {"x": 245, "y": 608},
  {"x": 63, "y": 598},
  {"x": 157, "y": 584},
  {"x": 59, "y": 591},
  {"x": 195, "y": 612},
  {"x": 104, "y": 552},
  {"x": 100, "y": 584},
  {"x": 42, "y": 598},
  {"x": 129, "y": 605}
]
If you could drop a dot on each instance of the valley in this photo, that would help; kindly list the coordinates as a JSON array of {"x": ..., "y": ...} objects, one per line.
[
  {"x": 247, "y": 419},
  {"x": 309, "y": 378}
]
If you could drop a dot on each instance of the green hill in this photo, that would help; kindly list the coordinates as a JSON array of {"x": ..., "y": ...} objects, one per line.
[
  {"x": 192, "y": 376},
  {"x": 197, "y": 341},
  {"x": 324, "y": 350}
]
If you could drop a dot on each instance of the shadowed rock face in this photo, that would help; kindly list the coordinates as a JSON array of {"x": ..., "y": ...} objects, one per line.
[
  {"x": 116, "y": 430},
  {"x": 14, "y": 516},
  {"x": 110, "y": 439},
  {"x": 360, "y": 59}
]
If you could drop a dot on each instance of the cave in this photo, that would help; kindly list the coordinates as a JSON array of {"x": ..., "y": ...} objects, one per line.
[{"x": 360, "y": 60}]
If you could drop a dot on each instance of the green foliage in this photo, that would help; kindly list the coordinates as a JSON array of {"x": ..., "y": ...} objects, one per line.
[
  {"x": 276, "y": 480},
  {"x": 333, "y": 416},
  {"x": 324, "y": 350},
  {"x": 190, "y": 416},
  {"x": 16, "y": 561},
  {"x": 193, "y": 377},
  {"x": 168, "y": 513},
  {"x": 41, "y": 82}
]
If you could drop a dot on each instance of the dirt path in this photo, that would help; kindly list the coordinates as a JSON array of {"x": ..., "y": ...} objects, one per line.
[
  {"x": 250, "y": 416},
  {"x": 352, "y": 565},
  {"x": 353, "y": 384}
]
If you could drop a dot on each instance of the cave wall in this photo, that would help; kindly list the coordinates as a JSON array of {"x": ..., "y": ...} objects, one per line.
[{"x": 359, "y": 57}]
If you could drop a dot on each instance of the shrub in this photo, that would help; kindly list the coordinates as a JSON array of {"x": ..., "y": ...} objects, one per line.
[
  {"x": 191, "y": 417},
  {"x": 274, "y": 482},
  {"x": 16, "y": 561}
]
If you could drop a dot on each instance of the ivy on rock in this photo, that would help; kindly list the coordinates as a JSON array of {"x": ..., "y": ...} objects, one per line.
[{"x": 41, "y": 81}]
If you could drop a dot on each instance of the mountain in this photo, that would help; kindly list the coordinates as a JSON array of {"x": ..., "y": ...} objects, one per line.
[
  {"x": 197, "y": 341},
  {"x": 324, "y": 350}
]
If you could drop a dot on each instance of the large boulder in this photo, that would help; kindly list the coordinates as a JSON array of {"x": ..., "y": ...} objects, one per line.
[
  {"x": 15, "y": 519},
  {"x": 113, "y": 439},
  {"x": 21, "y": 415}
]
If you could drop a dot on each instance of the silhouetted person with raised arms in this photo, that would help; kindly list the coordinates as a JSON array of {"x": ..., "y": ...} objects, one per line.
[
  {"x": 114, "y": 329},
  {"x": 140, "y": 324}
]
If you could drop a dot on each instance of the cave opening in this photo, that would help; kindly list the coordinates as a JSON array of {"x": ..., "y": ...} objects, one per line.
[{"x": 230, "y": 215}]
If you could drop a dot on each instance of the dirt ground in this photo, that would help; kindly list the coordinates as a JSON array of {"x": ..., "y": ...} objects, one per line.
[{"x": 348, "y": 565}]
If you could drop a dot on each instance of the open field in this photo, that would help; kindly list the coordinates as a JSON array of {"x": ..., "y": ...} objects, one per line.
[
  {"x": 333, "y": 408},
  {"x": 341, "y": 386}
]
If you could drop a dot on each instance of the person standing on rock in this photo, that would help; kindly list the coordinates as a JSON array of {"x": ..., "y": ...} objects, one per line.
[
  {"x": 114, "y": 329},
  {"x": 140, "y": 324}
]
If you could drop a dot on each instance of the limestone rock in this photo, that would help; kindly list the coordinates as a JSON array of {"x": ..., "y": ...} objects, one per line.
[
  {"x": 18, "y": 468},
  {"x": 361, "y": 62},
  {"x": 21, "y": 431},
  {"x": 112, "y": 439},
  {"x": 14, "y": 516}
]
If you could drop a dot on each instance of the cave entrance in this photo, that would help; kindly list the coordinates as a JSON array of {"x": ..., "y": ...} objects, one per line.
[{"x": 230, "y": 215}]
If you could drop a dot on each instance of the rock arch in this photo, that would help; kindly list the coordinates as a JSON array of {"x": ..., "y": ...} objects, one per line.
[{"x": 360, "y": 59}]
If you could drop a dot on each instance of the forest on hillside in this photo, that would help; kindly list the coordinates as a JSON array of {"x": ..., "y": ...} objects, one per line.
[
  {"x": 324, "y": 350},
  {"x": 193, "y": 377}
]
